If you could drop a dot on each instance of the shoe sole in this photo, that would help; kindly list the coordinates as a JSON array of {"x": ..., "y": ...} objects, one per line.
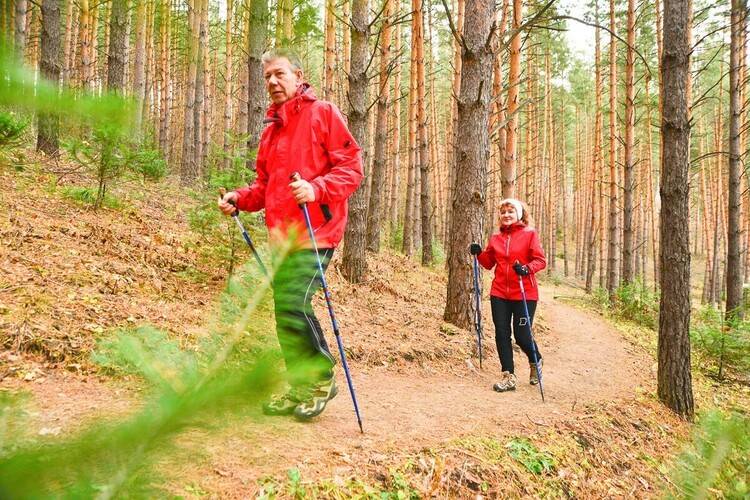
[
  {"x": 304, "y": 418},
  {"x": 497, "y": 389},
  {"x": 278, "y": 413}
]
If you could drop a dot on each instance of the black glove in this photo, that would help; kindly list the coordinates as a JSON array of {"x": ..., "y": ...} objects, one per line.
[
  {"x": 475, "y": 249},
  {"x": 521, "y": 270}
]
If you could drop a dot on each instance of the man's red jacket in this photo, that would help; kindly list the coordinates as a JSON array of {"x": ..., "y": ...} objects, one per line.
[
  {"x": 517, "y": 242},
  {"x": 308, "y": 136}
]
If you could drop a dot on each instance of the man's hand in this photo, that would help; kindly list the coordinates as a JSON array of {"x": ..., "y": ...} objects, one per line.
[
  {"x": 303, "y": 191},
  {"x": 228, "y": 202}
]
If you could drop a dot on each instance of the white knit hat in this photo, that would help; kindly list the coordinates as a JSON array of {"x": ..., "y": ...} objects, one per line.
[{"x": 516, "y": 204}]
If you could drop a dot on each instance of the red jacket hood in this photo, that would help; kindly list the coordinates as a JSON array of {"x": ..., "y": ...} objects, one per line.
[{"x": 279, "y": 113}]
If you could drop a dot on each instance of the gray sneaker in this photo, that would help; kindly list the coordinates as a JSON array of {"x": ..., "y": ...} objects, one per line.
[{"x": 507, "y": 383}]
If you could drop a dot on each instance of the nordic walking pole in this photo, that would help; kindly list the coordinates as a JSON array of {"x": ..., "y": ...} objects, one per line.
[
  {"x": 478, "y": 317},
  {"x": 531, "y": 334},
  {"x": 245, "y": 235},
  {"x": 303, "y": 206}
]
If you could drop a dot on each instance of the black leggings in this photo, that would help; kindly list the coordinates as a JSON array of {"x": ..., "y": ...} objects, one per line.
[
  {"x": 503, "y": 312},
  {"x": 306, "y": 353}
]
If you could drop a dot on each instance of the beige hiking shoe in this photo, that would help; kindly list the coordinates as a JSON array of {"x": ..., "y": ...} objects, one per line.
[
  {"x": 533, "y": 378},
  {"x": 507, "y": 383},
  {"x": 316, "y": 399}
]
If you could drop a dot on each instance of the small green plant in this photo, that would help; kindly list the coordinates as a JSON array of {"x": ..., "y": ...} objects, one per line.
[
  {"x": 525, "y": 453},
  {"x": 87, "y": 196},
  {"x": 102, "y": 152},
  {"x": 717, "y": 461},
  {"x": 11, "y": 131},
  {"x": 147, "y": 163},
  {"x": 636, "y": 302},
  {"x": 219, "y": 239},
  {"x": 723, "y": 346}
]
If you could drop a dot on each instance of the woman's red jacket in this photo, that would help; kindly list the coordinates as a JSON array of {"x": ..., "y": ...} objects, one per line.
[{"x": 517, "y": 242}]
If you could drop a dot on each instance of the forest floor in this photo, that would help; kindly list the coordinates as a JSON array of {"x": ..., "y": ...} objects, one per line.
[{"x": 432, "y": 424}]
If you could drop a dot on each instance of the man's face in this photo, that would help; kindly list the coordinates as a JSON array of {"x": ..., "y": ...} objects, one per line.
[{"x": 282, "y": 79}]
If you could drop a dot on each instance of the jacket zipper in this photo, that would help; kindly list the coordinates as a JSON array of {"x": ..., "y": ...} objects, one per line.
[{"x": 507, "y": 265}]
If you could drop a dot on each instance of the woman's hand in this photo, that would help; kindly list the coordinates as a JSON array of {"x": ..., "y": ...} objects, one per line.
[{"x": 520, "y": 269}]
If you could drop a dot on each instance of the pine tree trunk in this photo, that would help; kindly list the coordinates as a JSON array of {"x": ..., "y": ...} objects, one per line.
[
  {"x": 674, "y": 377},
  {"x": 84, "y": 40},
  {"x": 614, "y": 228},
  {"x": 189, "y": 167},
  {"x": 409, "y": 215},
  {"x": 424, "y": 164},
  {"x": 471, "y": 158},
  {"x": 375, "y": 212},
  {"x": 395, "y": 148},
  {"x": 117, "y": 57},
  {"x": 329, "y": 58},
  {"x": 67, "y": 58},
  {"x": 226, "y": 144},
  {"x": 354, "y": 262},
  {"x": 257, "y": 96},
  {"x": 514, "y": 82},
  {"x": 19, "y": 45},
  {"x": 165, "y": 133},
  {"x": 628, "y": 242},
  {"x": 48, "y": 124},
  {"x": 591, "y": 228},
  {"x": 139, "y": 63},
  {"x": 459, "y": 11},
  {"x": 734, "y": 263}
]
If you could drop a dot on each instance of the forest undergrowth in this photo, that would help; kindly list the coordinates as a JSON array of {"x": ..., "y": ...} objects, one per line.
[{"x": 74, "y": 278}]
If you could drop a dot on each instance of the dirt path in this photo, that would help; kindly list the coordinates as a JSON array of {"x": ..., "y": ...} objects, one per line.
[{"x": 586, "y": 361}]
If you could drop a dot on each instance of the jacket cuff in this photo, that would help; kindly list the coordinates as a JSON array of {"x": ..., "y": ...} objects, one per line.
[{"x": 317, "y": 185}]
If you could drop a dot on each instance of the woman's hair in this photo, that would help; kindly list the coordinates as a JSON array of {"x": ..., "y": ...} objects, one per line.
[{"x": 525, "y": 217}]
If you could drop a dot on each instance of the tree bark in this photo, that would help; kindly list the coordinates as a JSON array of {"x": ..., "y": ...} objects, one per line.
[
  {"x": 189, "y": 167},
  {"x": 377, "y": 191},
  {"x": 614, "y": 227},
  {"x": 48, "y": 124},
  {"x": 628, "y": 240},
  {"x": 471, "y": 158},
  {"x": 734, "y": 234},
  {"x": 424, "y": 147},
  {"x": 19, "y": 45},
  {"x": 514, "y": 82},
  {"x": 117, "y": 57},
  {"x": 674, "y": 376},
  {"x": 257, "y": 96},
  {"x": 354, "y": 262}
]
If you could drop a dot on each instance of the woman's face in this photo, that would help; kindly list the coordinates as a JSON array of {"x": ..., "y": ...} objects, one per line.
[{"x": 508, "y": 215}]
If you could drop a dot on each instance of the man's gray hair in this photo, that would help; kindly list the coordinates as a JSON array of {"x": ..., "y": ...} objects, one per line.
[{"x": 278, "y": 53}]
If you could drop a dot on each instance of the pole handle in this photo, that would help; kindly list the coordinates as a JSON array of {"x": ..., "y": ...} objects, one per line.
[
  {"x": 323, "y": 208},
  {"x": 222, "y": 192}
]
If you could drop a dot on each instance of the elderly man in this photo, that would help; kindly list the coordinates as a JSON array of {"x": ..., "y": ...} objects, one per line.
[{"x": 308, "y": 136}]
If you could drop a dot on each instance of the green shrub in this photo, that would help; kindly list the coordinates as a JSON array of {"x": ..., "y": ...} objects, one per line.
[
  {"x": 722, "y": 346},
  {"x": 11, "y": 131},
  {"x": 525, "y": 453},
  {"x": 636, "y": 302},
  {"x": 147, "y": 163},
  {"x": 102, "y": 153},
  {"x": 219, "y": 240},
  {"x": 88, "y": 196},
  {"x": 717, "y": 462}
]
